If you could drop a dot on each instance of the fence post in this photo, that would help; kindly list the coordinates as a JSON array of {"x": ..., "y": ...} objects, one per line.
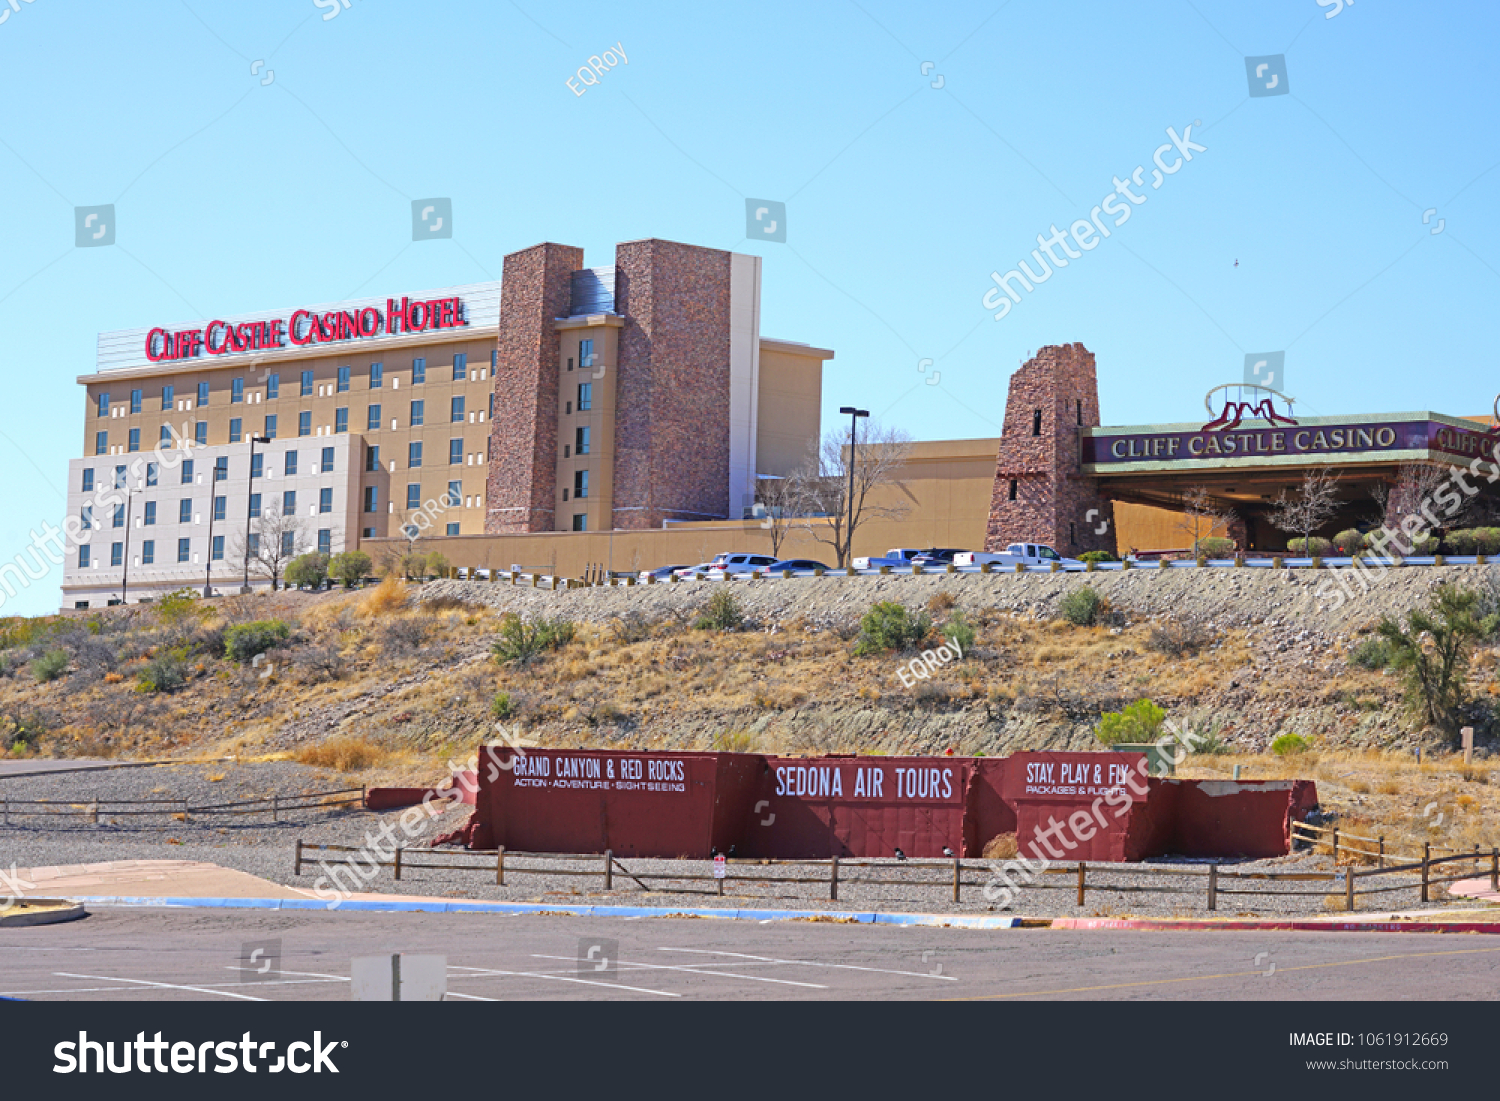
[
  {"x": 1081, "y": 874},
  {"x": 957, "y": 878},
  {"x": 500, "y": 867},
  {"x": 1213, "y": 886},
  {"x": 1495, "y": 869},
  {"x": 1349, "y": 887},
  {"x": 720, "y": 882},
  {"x": 6, "y": 801},
  {"x": 398, "y": 862},
  {"x": 1382, "y": 851},
  {"x": 94, "y": 811},
  {"x": 276, "y": 811},
  {"x": 609, "y": 869},
  {"x": 1426, "y": 857},
  {"x": 1335, "y": 847},
  {"x": 833, "y": 880},
  {"x": 297, "y": 865},
  {"x": 184, "y": 810}
]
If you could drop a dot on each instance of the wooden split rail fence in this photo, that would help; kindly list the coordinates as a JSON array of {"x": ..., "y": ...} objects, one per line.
[{"x": 182, "y": 809}]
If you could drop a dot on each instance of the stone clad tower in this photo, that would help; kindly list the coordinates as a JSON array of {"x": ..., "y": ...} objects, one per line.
[{"x": 1041, "y": 494}]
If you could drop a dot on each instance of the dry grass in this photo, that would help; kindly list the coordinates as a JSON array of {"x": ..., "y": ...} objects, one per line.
[
  {"x": 1000, "y": 847},
  {"x": 345, "y": 753},
  {"x": 386, "y": 599}
]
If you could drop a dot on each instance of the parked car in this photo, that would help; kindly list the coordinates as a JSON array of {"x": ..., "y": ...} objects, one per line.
[
  {"x": 689, "y": 571},
  {"x": 898, "y": 556},
  {"x": 661, "y": 573},
  {"x": 937, "y": 556},
  {"x": 1031, "y": 555},
  {"x": 796, "y": 565},
  {"x": 741, "y": 563}
]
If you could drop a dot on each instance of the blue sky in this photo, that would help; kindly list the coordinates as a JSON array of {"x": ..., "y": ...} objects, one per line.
[{"x": 234, "y": 195}]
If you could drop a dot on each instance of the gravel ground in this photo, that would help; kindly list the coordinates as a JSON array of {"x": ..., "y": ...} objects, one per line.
[{"x": 256, "y": 845}]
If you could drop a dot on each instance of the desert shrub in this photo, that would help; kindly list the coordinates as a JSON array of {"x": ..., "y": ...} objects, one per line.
[
  {"x": 1204, "y": 736},
  {"x": 502, "y": 707},
  {"x": 521, "y": 643},
  {"x": 889, "y": 626},
  {"x": 404, "y": 634},
  {"x": 349, "y": 567},
  {"x": 320, "y": 662},
  {"x": 243, "y": 642},
  {"x": 343, "y": 753},
  {"x": 385, "y": 599},
  {"x": 437, "y": 564},
  {"x": 180, "y": 606},
  {"x": 1097, "y": 556},
  {"x": 308, "y": 569},
  {"x": 1177, "y": 638},
  {"x": 737, "y": 740},
  {"x": 1140, "y": 721},
  {"x": 958, "y": 629},
  {"x": 1462, "y": 541},
  {"x": 1349, "y": 542},
  {"x": 1432, "y": 649},
  {"x": 1080, "y": 606},
  {"x": 50, "y": 666},
  {"x": 1289, "y": 745},
  {"x": 941, "y": 601},
  {"x": 1371, "y": 653},
  {"x": 1487, "y": 540},
  {"x": 1215, "y": 546},
  {"x": 1314, "y": 547},
  {"x": 22, "y": 730},
  {"x": 721, "y": 613},
  {"x": 166, "y": 672},
  {"x": 633, "y": 626}
]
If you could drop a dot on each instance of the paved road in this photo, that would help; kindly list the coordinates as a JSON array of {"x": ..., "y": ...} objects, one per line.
[{"x": 141, "y": 955}]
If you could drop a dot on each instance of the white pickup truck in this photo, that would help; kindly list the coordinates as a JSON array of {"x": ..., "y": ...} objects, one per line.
[
  {"x": 896, "y": 556},
  {"x": 1030, "y": 555}
]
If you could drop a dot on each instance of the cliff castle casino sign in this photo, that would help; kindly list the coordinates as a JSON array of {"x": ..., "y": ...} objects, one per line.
[{"x": 1322, "y": 440}]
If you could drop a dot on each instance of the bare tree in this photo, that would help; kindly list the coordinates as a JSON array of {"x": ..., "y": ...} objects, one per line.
[
  {"x": 1312, "y": 506},
  {"x": 276, "y": 540},
  {"x": 827, "y": 495},
  {"x": 783, "y": 499},
  {"x": 1201, "y": 514}
]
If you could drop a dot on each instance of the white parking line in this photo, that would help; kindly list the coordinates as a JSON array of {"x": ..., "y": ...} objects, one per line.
[
  {"x": 163, "y": 985},
  {"x": 814, "y": 963},
  {"x": 468, "y": 997},
  {"x": 479, "y": 972},
  {"x": 696, "y": 971}
]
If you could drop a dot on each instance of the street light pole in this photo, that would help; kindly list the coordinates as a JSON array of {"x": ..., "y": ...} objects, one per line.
[
  {"x": 125, "y": 561},
  {"x": 853, "y": 414},
  {"x": 208, "y": 556},
  {"x": 249, "y": 485}
]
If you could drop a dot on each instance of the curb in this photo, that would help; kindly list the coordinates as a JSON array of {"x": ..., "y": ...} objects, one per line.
[
  {"x": 957, "y": 921},
  {"x": 1234, "y": 924},
  {"x": 50, "y": 911}
]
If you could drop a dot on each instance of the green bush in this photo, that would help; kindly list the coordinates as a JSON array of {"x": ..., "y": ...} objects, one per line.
[
  {"x": 1315, "y": 547},
  {"x": 1487, "y": 541},
  {"x": 1080, "y": 606},
  {"x": 1432, "y": 649},
  {"x": 166, "y": 672},
  {"x": 1097, "y": 556},
  {"x": 1371, "y": 653},
  {"x": 521, "y": 643},
  {"x": 958, "y": 629},
  {"x": 242, "y": 643},
  {"x": 1349, "y": 542},
  {"x": 308, "y": 569},
  {"x": 1216, "y": 546},
  {"x": 1138, "y": 722},
  {"x": 1289, "y": 745},
  {"x": 50, "y": 666},
  {"x": 889, "y": 626},
  {"x": 437, "y": 564},
  {"x": 179, "y": 606},
  {"x": 1472, "y": 541},
  {"x": 501, "y": 706},
  {"x": 349, "y": 567},
  {"x": 721, "y": 613}
]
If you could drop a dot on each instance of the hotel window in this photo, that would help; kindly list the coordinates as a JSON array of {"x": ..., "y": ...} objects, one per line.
[
  {"x": 413, "y": 495},
  {"x": 135, "y": 439},
  {"x": 580, "y": 521},
  {"x": 585, "y": 396},
  {"x": 492, "y": 404},
  {"x": 1073, "y": 533},
  {"x": 185, "y": 510},
  {"x": 252, "y": 545},
  {"x": 581, "y": 441},
  {"x": 1012, "y": 489},
  {"x": 307, "y": 384},
  {"x": 219, "y": 503},
  {"x": 585, "y": 353},
  {"x": 368, "y": 533},
  {"x": 151, "y": 470},
  {"x": 119, "y": 477},
  {"x": 580, "y": 483},
  {"x": 377, "y": 376},
  {"x": 148, "y": 552},
  {"x": 372, "y": 498},
  {"x": 325, "y": 500},
  {"x": 372, "y": 459},
  {"x": 86, "y": 515},
  {"x": 88, "y": 479},
  {"x": 460, "y": 366},
  {"x": 135, "y": 401},
  {"x": 101, "y": 443},
  {"x": 184, "y": 549},
  {"x": 255, "y": 506},
  {"x": 221, "y": 468},
  {"x": 341, "y": 419},
  {"x": 455, "y": 451},
  {"x": 1079, "y": 404},
  {"x": 117, "y": 517},
  {"x": 304, "y": 423},
  {"x": 455, "y": 494},
  {"x": 288, "y": 544},
  {"x": 200, "y": 433},
  {"x": 270, "y": 432},
  {"x": 494, "y": 359},
  {"x": 325, "y": 540},
  {"x": 236, "y": 391},
  {"x": 1036, "y": 422},
  {"x": 203, "y": 393},
  {"x": 417, "y": 409},
  {"x": 234, "y": 429},
  {"x": 83, "y": 557},
  {"x": 187, "y": 472},
  {"x": 273, "y": 387},
  {"x": 116, "y": 553},
  {"x": 570, "y": 363},
  {"x": 149, "y": 520},
  {"x": 343, "y": 384},
  {"x": 166, "y": 433},
  {"x": 103, "y": 401},
  {"x": 289, "y": 503},
  {"x": 217, "y": 550},
  {"x": 257, "y": 466},
  {"x": 418, "y": 370},
  {"x": 452, "y": 529},
  {"x": 456, "y": 410},
  {"x": 327, "y": 463},
  {"x": 414, "y": 453},
  {"x": 168, "y": 396},
  {"x": 372, "y": 418},
  {"x": 291, "y": 464}
]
